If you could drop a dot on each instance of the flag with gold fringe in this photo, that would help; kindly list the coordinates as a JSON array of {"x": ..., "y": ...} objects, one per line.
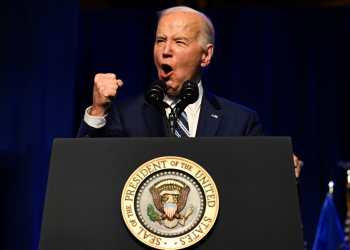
[{"x": 330, "y": 234}]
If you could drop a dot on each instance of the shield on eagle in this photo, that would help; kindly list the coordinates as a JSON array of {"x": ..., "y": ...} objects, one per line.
[{"x": 170, "y": 210}]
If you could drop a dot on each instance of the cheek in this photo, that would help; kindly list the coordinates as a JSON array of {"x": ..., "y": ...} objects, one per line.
[
  {"x": 192, "y": 59},
  {"x": 156, "y": 56},
  {"x": 190, "y": 65}
]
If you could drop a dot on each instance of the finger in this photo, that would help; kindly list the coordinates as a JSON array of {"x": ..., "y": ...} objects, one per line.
[
  {"x": 100, "y": 76},
  {"x": 109, "y": 82},
  {"x": 101, "y": 85},
  {"x": 107, "y": 92},
  {"x": 120, "y": 83},
  {"x": 295, "y": 158},
  {"x": 297, "y": 166},
  {"x": 110, "y": 75},
  {"x": 297, "y": 172}
]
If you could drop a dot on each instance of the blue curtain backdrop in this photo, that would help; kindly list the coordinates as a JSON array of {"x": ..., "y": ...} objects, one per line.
[
  {"x": 291, "y": 65},
  {"x": 38, "y": 48}
]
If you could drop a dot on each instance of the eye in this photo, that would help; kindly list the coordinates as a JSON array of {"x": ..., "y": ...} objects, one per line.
[{"x": 160, "y": 41}]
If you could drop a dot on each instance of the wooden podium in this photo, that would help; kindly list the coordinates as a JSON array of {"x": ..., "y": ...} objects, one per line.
[{"x": 254, "y": 176}]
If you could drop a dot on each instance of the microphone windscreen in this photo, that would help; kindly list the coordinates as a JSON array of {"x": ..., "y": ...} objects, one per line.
[
  {"x": 155, "y": 93},
  {"x": 189, "y": 92},
  {"x": 161, "y": 84}
]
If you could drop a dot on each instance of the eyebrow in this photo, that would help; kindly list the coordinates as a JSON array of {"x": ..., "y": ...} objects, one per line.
[
  {"x": 175, "y": 38},
  {"x": 181, "y": 38}
]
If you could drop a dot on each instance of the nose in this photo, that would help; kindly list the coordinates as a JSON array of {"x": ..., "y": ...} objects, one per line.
[{"x": 167, "y": 50}]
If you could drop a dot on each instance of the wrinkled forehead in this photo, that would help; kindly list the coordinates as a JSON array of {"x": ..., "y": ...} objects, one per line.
[{"x": 180, "y": 23}]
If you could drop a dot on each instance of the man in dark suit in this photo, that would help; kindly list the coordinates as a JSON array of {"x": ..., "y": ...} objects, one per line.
[
  {"x": 184, "y": 46},
  {"x": 134, "y": 117}
]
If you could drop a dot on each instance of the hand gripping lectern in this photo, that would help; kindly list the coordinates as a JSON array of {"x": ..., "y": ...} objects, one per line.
[{"x": 170, "y": 193}]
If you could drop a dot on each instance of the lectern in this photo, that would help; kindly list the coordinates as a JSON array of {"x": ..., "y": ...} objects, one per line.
[{"x": 254, "y": 178}]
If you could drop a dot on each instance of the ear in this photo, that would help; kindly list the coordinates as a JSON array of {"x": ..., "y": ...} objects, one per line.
[{"x": 207, "y": 55}]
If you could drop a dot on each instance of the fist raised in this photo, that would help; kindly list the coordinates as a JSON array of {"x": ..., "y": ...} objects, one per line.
[{"x": 105, "y": 91}]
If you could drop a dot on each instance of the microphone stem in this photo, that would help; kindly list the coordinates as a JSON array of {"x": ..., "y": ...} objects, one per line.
[{"x": 172, "y": 123}]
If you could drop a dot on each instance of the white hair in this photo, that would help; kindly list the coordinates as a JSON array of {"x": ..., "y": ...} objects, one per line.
[{"x": 207, "y": 33}]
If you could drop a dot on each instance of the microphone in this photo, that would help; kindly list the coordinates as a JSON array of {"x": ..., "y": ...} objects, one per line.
[
  {"x": 155, "y": 93},
  {"x": 189, "y": 94}
]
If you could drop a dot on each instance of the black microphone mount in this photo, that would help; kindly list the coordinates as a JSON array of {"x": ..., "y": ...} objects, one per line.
[
  {"x": 189, "y": 94},
  {"x": 155, "y": 94}
]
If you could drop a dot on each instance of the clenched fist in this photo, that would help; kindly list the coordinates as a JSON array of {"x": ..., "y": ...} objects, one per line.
[{"x": 105, "y": 91}]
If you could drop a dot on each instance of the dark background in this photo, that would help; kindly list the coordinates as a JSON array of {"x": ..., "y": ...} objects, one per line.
[{"x": 289, "y": 63}]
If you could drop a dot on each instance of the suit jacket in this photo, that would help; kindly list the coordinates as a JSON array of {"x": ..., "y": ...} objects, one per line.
[{"x": 134, "y": 117}]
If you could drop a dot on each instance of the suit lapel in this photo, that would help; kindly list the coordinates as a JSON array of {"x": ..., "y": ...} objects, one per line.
[
  {"x": 210, "y": 115},
  {"x": 155, "y": 121}
]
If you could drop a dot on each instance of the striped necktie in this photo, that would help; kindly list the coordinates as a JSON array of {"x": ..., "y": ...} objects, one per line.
[{"x": 182, "y": 129}]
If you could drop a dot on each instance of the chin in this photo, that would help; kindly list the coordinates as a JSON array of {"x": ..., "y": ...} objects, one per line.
[{"x": 172, "y": 92}]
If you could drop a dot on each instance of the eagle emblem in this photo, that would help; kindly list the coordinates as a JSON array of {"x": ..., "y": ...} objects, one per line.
[{"x": 169, "y": 197}]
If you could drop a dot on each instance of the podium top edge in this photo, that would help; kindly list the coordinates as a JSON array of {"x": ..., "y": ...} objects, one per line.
[{"x": 187, "y": 138}]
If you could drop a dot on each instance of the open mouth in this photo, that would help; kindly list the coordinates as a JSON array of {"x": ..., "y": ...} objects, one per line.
[{"x": 166, "y": 70}]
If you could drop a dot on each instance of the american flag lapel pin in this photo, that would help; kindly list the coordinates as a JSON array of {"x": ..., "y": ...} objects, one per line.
[{"x": 215, "y": 116}]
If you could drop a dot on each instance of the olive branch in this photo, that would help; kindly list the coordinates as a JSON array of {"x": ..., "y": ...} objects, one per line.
[{"x": 151, "y": 213}]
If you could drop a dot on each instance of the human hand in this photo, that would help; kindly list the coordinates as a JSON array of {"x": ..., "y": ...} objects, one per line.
[
  {"x": 105, "y": 92},
  {"x": 297, "y": 166}
]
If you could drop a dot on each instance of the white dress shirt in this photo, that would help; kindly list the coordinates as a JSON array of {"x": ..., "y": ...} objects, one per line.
[{"x": 192, "y": 112}]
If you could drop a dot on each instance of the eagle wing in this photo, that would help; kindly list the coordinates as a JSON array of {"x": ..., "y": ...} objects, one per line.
[
  {"x": 157, "y": 200},
  {"x": 181, "y": 202}
]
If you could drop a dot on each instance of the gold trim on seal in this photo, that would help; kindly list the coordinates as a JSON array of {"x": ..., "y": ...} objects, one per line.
[{"x": 170, "y": 203}]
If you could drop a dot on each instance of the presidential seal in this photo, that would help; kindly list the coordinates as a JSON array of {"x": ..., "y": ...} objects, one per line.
[{"x": 170, "y": 203}]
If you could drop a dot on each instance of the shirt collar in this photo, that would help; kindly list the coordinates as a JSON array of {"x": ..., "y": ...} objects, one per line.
[{"x": 170, "y": 100}]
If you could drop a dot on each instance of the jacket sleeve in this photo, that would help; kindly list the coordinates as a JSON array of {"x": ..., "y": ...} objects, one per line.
[
  {"x": 254, "y": 127},
  {"x": 113, "y": 127}
]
